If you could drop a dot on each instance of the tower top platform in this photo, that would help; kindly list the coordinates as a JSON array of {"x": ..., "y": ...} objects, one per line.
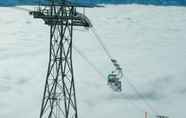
[{"x": 70, "y": 4}]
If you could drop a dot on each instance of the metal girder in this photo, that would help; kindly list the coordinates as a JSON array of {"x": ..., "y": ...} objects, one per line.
[
  {"x": 78, "y": 19},
  {"x": 59, "y": 97}
]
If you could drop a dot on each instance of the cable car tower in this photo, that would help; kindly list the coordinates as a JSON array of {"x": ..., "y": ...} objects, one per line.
[{"x": 59, "y": 97}]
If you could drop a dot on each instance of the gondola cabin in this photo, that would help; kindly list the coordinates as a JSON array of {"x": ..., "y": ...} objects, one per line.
[{"x": 114, "y": 82}]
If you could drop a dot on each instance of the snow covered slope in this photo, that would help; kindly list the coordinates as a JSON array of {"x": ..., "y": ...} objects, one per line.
[{"x": 148, "y": 41}]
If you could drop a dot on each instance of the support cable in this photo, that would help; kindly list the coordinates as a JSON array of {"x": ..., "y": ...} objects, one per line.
[
  {"x": 101, "y": 42},
  {"x": 138, "y": 93},
  {"x": 95, "y": 68},
  {"x": 131, "y": 85},
  {"x": 88, "y": 61}
]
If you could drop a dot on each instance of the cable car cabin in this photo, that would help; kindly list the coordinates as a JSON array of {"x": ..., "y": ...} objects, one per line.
[{"x": 114, "y": 82}]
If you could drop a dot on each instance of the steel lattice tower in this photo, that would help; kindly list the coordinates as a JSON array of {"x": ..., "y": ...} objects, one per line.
[
  {"x": 59, "y": 86},
  {"x": 59, "y": 97}
]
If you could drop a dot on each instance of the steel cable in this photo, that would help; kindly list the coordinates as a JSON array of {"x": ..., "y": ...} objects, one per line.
[
  {"x": 101, "y": 42},
  {"x": 88, "y": 61},
  {"x": 95, "y": 68},
  {"x": 131, "y": 85}
]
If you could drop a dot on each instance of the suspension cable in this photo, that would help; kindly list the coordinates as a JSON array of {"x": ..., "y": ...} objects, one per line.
[
  {"x": 88, "y": 61},
  {"x": 101, "y": 42},
  {"x": 131, "y": 85},
  {"x": 138, "y": 93},
  {"x": 95, "y": 68}
]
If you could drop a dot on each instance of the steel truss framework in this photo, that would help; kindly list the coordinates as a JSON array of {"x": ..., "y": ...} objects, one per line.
[{"x": 59, "y": 97}]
